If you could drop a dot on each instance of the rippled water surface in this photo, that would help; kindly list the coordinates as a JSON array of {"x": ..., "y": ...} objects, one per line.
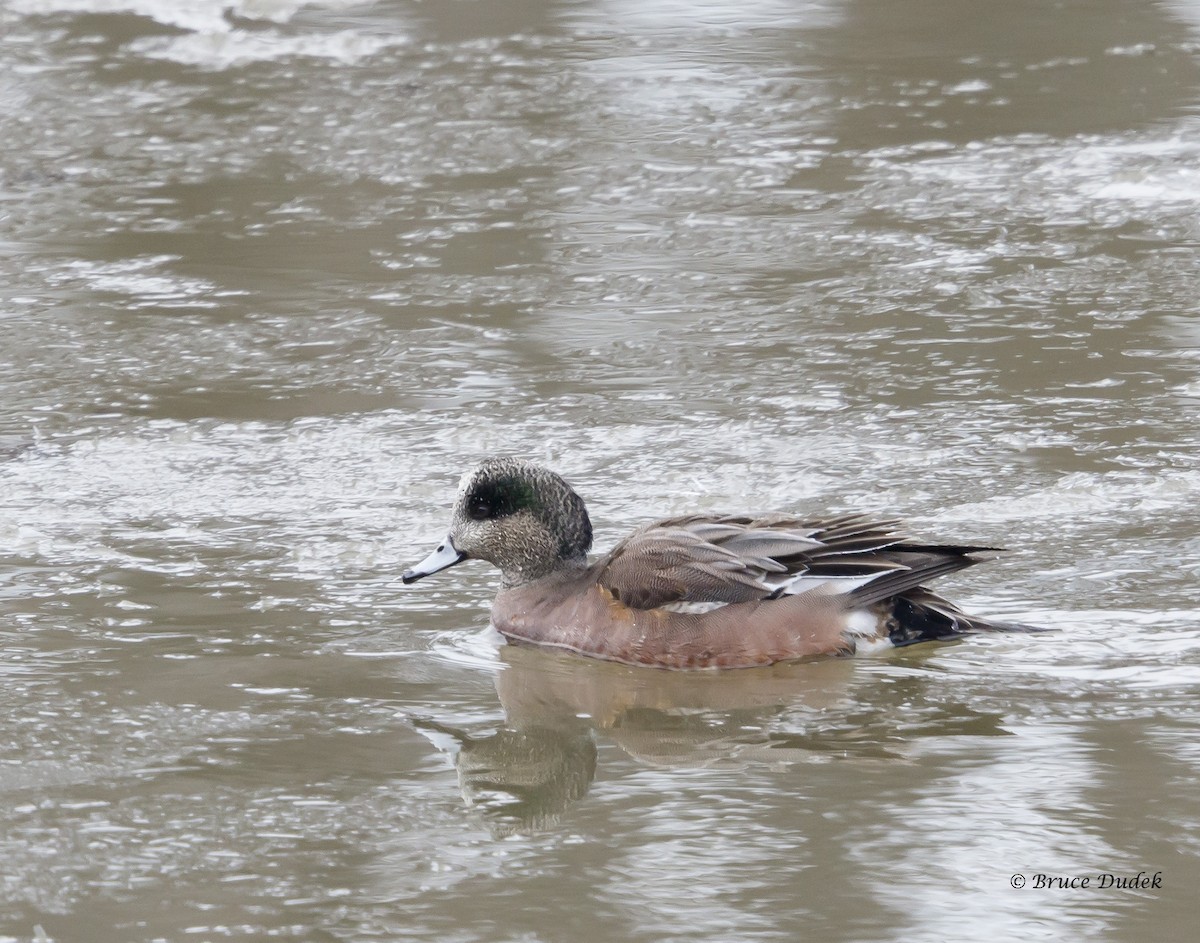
[{"x": 273, "y": 274}]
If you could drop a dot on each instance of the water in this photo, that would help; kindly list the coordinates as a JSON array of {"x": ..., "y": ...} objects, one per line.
[{"x": 275, "y": 274}]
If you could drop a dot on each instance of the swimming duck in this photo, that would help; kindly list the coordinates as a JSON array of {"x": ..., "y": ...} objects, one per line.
[{"x": 701, "y": 590}]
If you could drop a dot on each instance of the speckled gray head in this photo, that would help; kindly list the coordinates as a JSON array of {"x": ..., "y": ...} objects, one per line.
[{"x": 521, "y": 517}]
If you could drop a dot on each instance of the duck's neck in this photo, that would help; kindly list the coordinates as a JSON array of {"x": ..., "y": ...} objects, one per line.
[{"x": 532, "y": 571}]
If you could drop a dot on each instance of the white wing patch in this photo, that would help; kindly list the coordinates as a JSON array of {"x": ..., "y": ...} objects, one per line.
[
  {"x": 694, "y": 608},
  {"x": 805, "y": 582}
]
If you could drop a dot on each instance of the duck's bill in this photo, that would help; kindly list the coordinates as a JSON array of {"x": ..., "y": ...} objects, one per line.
[{"x": 444, "y": 557}]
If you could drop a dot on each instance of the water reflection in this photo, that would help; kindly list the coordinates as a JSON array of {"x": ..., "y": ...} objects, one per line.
[
  {"x": 558, "y": 707},
  {"x": 519, "y": 779}
]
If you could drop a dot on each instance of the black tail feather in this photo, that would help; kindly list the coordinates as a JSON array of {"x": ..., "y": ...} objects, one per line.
[
  {"x": 921, "y": 568},
  {"x": 922, "y": 616}
]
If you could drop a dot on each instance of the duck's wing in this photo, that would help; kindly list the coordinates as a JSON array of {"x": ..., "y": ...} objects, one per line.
[{"x": 729, "y": 559}]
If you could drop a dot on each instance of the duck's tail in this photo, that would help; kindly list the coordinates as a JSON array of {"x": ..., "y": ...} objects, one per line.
[
  {"x": 910, "y": 612},
  {"x": 921, "y": 616}
]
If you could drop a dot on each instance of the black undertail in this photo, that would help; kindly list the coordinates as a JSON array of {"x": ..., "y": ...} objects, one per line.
[
  {"x": 912, "y": 622},
  {"x": 922, "y": 616}
]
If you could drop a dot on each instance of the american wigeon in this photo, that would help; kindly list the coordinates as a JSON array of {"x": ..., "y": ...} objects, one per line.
[{"x": 699, "y": 591}]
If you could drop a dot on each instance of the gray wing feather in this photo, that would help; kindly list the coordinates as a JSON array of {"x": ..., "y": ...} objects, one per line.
[{"x": 731, "y": 559}]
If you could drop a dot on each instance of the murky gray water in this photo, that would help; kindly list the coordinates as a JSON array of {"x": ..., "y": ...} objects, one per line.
[{"x": 272, "y": 278}]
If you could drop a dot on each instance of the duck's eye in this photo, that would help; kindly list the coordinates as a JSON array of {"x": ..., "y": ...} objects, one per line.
[{"x": 490, "y": 500}]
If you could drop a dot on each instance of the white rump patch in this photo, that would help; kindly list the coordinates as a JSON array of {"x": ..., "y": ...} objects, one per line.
[
  {"x": 875, "y": 647},
  {"x": 862, "y": 628}
]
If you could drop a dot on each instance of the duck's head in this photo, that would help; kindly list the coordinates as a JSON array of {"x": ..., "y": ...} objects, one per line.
[{"x": 521, "y": 517}]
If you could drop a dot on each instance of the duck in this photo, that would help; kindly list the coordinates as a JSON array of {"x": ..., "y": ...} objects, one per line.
[{"x": 697, "y": 591}]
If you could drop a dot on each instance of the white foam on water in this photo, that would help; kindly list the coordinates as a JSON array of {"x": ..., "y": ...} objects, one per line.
[
  {"x": 1084, "y": 496},
  {"x": 199, "y": 15},
  {"x": 234, "y": 48},
  {"x": 1147, "y": 179},
  {"x": 203, "y": 15},
  {"x": 213, "y": 38}
]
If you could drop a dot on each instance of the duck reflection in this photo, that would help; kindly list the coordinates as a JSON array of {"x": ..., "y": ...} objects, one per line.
[
  {"x": 557, "y": 707},
  {"x": 520, "y": 779}
]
